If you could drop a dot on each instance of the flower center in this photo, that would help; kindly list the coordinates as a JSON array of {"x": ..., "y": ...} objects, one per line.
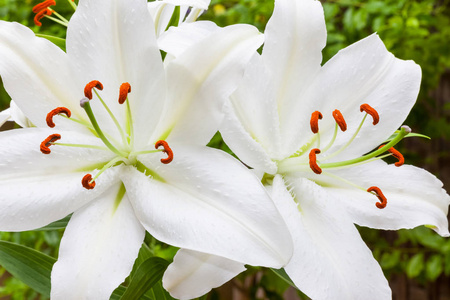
[
  {"x": 298, "y": 162},
  {"x": 124, "y": 154}
]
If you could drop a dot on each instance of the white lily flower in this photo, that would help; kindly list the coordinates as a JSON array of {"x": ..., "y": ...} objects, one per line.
[
  {"x": 99, "y": 161},
  {"x": 14, "y": 114},
  {"x": 309, "y": 129},
  {"x": 163, "y": 10}
]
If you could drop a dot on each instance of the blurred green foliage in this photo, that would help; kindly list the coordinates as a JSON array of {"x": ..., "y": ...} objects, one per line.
[{"x": 417, "y": 30}]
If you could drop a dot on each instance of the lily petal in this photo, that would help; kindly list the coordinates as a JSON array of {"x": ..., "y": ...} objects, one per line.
[
  {"x": 196, "y": 92},
  {"x": 36, "y": 189},
  {"x": 295, "y": 37},
  {"x": 226, "y": 213},
  {"x": 5, "y": 115},
  {"x": 98, "y": 249},
  {"x": 122, "y": 49},
  {"x": 415, "y": 197},
  {"x": 330, "y": 259},
  {"x": 243, "y": 144},
  {"x": 177, "y": 39},
  {"x": 193, "y": 274},
  {"x": 364, "y": 72},
  {"x": 32, "y": 62}
]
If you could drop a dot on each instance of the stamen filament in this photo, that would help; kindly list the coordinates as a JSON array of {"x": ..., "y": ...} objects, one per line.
[
  {"x": 57, "y": 21},
  {"x": 403, "y": 132},
  {"x": 349, "y": 142},
  {"x": 130, "y": 123},
  {"x": 145, "y": 152},
  {"x": 107, "y": 166},
  {"x": 332, "y": 139},
  {"x": 122, "y": 134},
  {"x": 88, "y": 109},
  {"x": 72, "y": 4},
  {"x": 80, "y": 146},
  {"x": 344, "y": 180},
  {"x": 59, "y": 16}
]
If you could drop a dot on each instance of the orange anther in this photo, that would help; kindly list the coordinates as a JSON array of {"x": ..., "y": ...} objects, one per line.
[
  {"x": 87, "y": 182},
  {"x": 166, "y": 150},
  {"x": 339, "y": 118},
  {"x": 88, "y": 88},
  {"x": 313, "y": 161},
  {"x": 383, "y": 201},
  {"x": 125, "y": 88},
  {"x": 371, "y": 111},
  {"x": 396, "y": 154},
  {"x": 57, "y": 111},
  {"x": 48, "y": 142},
  {"x": 43, "y": 5},
  {"x": 40, "y": 15},
  {"x": 315, "y": 117}
]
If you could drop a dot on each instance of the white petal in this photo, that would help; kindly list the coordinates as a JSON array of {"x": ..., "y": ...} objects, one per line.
[
  {"x": 210, "y": 203},
  {"x": 98, "y": 249},
  {"x": 5, "y": 116},
  {"x": 365, "y": 72},
  {"x": 201, "y": 79},
  {"x": 114, "y": 42},
  {"x": 255, "y": 105},
  {"x": 203, "y": 4},
  {"x": 37, "y": 75},
  {"x": 19, "y": 117},
  {"x": 243, "y": 144},
  {"x": 177, "y": 39},
  {"x": 37, "y": 189},
  {"x": 414, "y": 197},
  {"x": 193, "y": 274},
  {"x": 295, "y": 37},
  {"x": 330, "y": 260}
]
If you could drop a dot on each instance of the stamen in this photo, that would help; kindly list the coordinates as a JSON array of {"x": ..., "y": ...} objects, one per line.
[
  {"x": 48, "y": 142},
  {"x": 371, "y": 111},
  {"x": 396, "y": 154},
  {"x": 339, "y": 118},
  {"x": 43, "y": 5},
  {"x": 56, "y": 111},
  {"x": 166, "y": 150},
  {"x": 313, "y": 161},
  {"x": 315, "y": 117},
  {"x": 383, "y": 201},
  {"x": 88, "y": 88},
  {"x": 40, "y": 15},
  {"x": 125, "y": 88},
  {"x": 87, "y": 183}
]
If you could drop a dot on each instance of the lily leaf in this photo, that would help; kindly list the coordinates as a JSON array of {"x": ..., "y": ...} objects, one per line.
[
  {"x": 282, "y": 273},
  {"x": 147, "y": 274},
  {"x": 61, "y": 43},
  {"x": 30, "y": 266},
  {"x": 175, "y": 19},
  {"x": 60, "y": 224}
]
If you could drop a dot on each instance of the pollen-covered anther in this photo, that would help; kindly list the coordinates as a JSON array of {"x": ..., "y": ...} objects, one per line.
[
  {"x": 395, "y": 153},
  {"x": 383, "y": 201},
  {"x": 371, "y": 111},
  {"x": 166, "y": 150},
  {"x": 57, "y": 111},
  {"x": 315, "y": 117},
  {"x": 125, "y": 89},
  {"x": 87, "y": 182},
  {"x": 339, "y": 118},
  {"x": 48, "y": 142},
  {"x": 40, "y": 15},
  {"x": 88, "y": 88},
  {"x": 43, "y": 5},
  {"x": 313, "y": 161}
]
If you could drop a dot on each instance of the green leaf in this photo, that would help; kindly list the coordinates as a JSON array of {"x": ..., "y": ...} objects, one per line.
[
  {"x": 118, "y": 292},
  {"x": 61, "y": 43},
  {"x": 175, "y": 19},
  {"x": 415, "y": 265},
  {"x": 282, "y": 273},
  {"x": 147, "y": 274},
  {"x": 434, "y": 267},
  {"x": 30, "y": 266},
  {"x": 390, "y": 260},
  {"x": 159, "y": 293},
  {"x": 60, "y": 224}
]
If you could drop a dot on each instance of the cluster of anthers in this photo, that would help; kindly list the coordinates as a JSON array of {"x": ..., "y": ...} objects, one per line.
[
  {"x": 124, "y": 154},
  {"x": 382, "y": 152},
  {"x": 43, "y": 10}
]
